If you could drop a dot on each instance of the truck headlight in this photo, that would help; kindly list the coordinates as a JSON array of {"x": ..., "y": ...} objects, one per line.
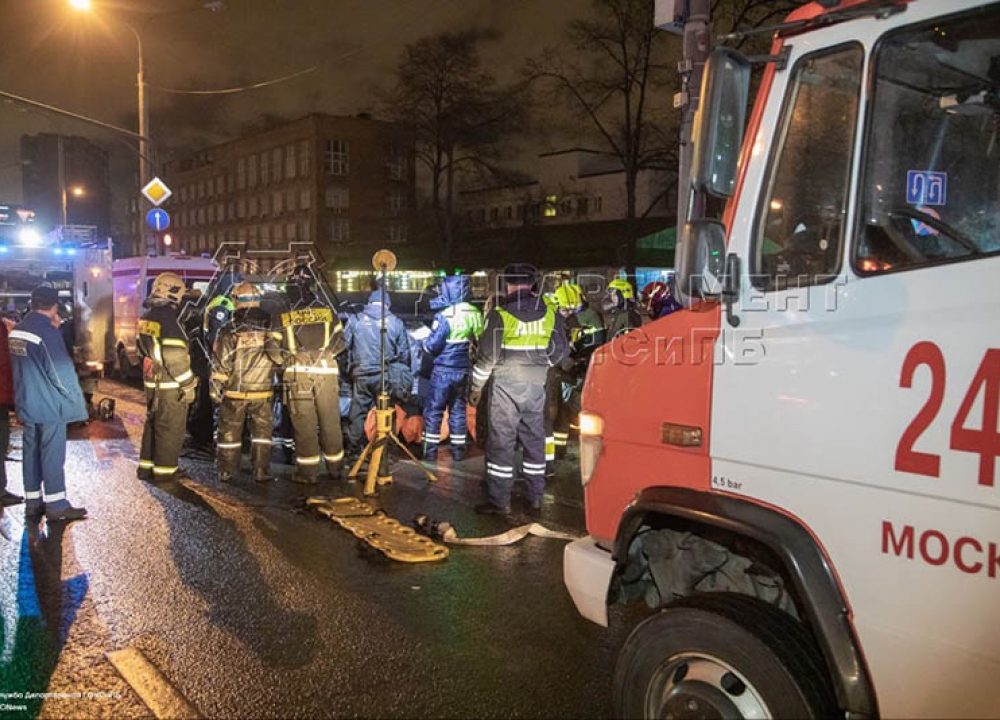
[{"x": 591, "y": 444}]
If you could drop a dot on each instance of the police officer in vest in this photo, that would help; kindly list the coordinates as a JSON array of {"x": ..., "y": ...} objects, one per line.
[
  {"x": 523, "y": 337},
  {"x": 244, "y": 360},
  {"x": 311, "y": 338},
  {"x": 171, "y": 385},
  {"x": 457, "y": 324}
]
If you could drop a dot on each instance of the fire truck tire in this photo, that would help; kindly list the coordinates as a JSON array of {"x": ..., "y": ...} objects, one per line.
[{"x": 721, "y": 655}]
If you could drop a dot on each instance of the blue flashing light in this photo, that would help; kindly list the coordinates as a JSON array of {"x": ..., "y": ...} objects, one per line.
[
  {"x": 4, "y": 248},
  {"x": 57, "y": 251},
  {"x": 71, "y": 251}
]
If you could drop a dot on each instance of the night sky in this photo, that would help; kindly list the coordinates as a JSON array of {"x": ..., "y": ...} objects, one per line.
[{"x": 87, "y": 63}]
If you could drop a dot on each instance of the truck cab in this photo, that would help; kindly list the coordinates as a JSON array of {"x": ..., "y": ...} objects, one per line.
[{"x": 797, "y": 472}]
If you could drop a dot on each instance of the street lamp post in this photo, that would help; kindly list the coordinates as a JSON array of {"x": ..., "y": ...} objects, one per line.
[{"x": 144, "y": 146}]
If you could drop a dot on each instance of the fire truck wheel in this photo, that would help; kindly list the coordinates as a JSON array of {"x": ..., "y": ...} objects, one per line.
[{"x": 721, "y": 655}]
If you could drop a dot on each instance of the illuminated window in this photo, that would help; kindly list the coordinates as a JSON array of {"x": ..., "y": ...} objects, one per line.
[
  {"x": 550, "y": 211},
  {"x": 336, "y": 160}
]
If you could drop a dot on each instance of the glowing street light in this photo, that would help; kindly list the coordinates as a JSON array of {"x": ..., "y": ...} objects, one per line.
[
  {"x": 78, "y": 191},
  {"x": 80, "y": 4}
]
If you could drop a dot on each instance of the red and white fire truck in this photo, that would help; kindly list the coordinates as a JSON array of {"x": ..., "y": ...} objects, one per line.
[{"x": 798, "y": 471}]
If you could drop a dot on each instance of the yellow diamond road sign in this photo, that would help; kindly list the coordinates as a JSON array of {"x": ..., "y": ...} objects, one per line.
[{"x": 156, "y": 191}]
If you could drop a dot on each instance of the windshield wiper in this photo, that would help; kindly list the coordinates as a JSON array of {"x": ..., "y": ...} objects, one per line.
[{"x": 880, "y": 9}]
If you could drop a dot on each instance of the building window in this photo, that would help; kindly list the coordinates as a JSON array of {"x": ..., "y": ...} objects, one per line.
[
  {"x": 277, "y": 203},
  {"x": 337, "y": 199},
  {"x": 480, "y": 215},
  {"x": 290, "y": 161},
  {"x": 397, "y": 232},
  {"x": 597, "y": 205},
  {"x": 290, "y": 232},
  {"x": 265, "y": 168},
  {"x": 232, "y": 210},
  {"x": 336, "y": 158},
  {"x": 201, "y": 216},
  {"x": 338, "y": 229},
  {"x": 520, "y": 212},
  {"x": 210, "y": 212},
  {"x": 265, "y": 205},
  {"x": 252, "y": 208},
  {"x": 566, "y": 207},
  {"x": 277, "y": 163},
  {"x": 220, "y": 185},
  {"x": 305, "y": 199},
  {"x": 229, "y": 182},
  {"x": 183, "y": 193},
  {"x": 582, "y": 206},
  {"x": 252, "y": 171},
  {"x": 508, "y": 212},
  {"x": 290, "y": 200},
  {"x": 241, "y": 235},
  {"x": 494, "y": 214},
  {"x": 265, "y": 236},
  {"x": 396, "y": 203},
  {"x": 550, "y": 206},
  {"x": 241, "y": 174},
  {"x": 303, "y": 158},
  {"x": 279, "y": 235},
  {"x": 303, "y": 232},
  {"x": 241, "y": 207},
  {"x": 395, "y": 163}
]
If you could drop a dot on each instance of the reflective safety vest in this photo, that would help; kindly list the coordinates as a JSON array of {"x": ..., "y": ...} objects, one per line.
[
  {"x": 533, "y": 335},
  {"x": 465, "y": 323},
  {"x": 312, "y": 337},
  {"x": 161, "y": 341}
]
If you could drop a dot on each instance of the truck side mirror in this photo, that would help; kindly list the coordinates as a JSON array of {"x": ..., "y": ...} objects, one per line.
[
  {"x": 718, "y": 126},
  {"x": 702, "y": 262}
]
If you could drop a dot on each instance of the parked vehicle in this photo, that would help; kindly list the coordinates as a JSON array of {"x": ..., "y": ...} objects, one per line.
[{"x": 797, "y": 472}]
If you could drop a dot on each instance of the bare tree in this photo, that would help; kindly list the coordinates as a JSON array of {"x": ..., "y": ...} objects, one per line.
[
  {"x": 729, "y": 16},
  {"x": 617, "y": 71},
  {"x": 459, "y": 115}
]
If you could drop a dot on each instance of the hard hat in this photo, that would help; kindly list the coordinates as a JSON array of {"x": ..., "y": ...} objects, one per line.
[
  {"x": 168, "y": 286},
  {"x": 623, "y": 286},
  {"x": 246, "y": 295},
  {"x": 569, "y": 296}
]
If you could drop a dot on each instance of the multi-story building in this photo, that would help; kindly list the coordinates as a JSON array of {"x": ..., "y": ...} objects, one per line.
[
  {"x": 66, "y": 181},
  {"x": 345, "y": 183},
  {"x": 572, "y": 186}
]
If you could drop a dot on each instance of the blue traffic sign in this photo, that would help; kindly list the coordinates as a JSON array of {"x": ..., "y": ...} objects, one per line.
[{"x": 158, "y": 219}]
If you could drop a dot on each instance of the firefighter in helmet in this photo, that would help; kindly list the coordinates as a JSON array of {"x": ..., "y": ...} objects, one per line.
[
  {"x": 171, "y": 385},
  {"x": 523, "y": 337},
  {"x": 311, "y": 338},
  {"x": 620, "y": 312},
  {"x": 244, "y": 361}
]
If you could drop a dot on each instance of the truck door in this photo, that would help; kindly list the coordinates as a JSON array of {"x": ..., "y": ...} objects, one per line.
[{"x": 860, "y": 390}]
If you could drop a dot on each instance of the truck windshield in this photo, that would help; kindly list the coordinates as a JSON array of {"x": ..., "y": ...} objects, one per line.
[{"x": 931, "y": 189}]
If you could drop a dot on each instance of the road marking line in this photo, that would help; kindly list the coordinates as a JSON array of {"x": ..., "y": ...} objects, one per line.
[{"x": 160, "y": 695}]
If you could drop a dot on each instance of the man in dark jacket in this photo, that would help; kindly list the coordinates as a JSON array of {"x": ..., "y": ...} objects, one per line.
[
  {"x": 171, "y": 385},
  {"x": 311, "y": 339},
  {"x": 7, "y": 498},
  {"x": 522, "y": 339},
  {"x": 244, "y": 361},
  {"x": 364, "y": 361},
  {"x": 457, "y": 324},
  {"x": 47, "y": 396}
]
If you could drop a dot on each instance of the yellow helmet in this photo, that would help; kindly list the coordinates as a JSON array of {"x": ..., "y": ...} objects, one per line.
[
  {"x": 246, "y": 295},
  {"x": 569, "y": 296},
  {"x": 168, "y": 286},
  {"x": 624, "y": 287}
]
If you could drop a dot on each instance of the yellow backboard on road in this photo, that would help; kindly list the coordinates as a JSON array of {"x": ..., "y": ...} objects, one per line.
[{"x": 156, "y": 191}]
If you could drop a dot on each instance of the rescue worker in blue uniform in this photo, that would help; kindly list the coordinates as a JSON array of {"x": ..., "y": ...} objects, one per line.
[
  {"x": 312, "y": 337},
  {"x": 171, "y": 385},
  {"x": 244, "y": 361},
  {"x": 363, "y": 335},
  {"x": 456, "y": 326},
  {"x": 522, "y": 339},
  {"x": 47, "y": 396}
]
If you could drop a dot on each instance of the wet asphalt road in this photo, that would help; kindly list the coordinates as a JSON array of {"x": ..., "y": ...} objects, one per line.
[{"x": 254, "y": 608}]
